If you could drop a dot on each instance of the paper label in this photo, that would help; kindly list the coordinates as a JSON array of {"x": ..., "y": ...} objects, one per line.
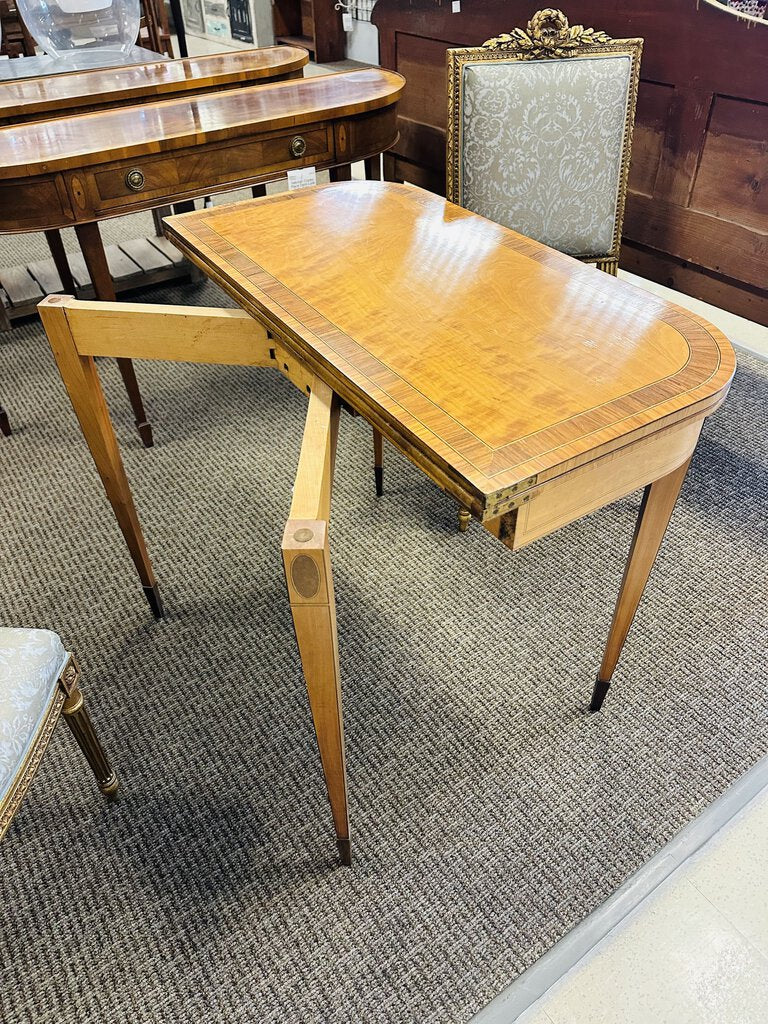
[
  {"x": 301, "y": 177},
  {"x": 346, "y": 21},
  {"x": 456, "y": 7}
]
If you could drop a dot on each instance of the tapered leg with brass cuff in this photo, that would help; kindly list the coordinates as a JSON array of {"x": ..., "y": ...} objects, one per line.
[{"x": 655, "y": 512}]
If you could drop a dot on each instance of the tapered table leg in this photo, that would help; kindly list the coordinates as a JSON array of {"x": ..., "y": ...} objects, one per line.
[
  {"x": 5, "y": 426},
  {"x": 56, "y": 245},
  {"x": 373, "y": 168},
  {"x": 157, "y": 218},
  {"x": 378, "y": 462},
  {"x": 89, "y": 237},
  {"x": 655, "y": 512},
  {"x": 82, "y": 382},
  {"x": 307, "y": 563},
  {"x": 342, "y": 173}
]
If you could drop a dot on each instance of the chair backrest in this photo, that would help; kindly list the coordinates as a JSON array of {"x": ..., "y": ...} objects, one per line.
[
  {"x": 539, "y": 133},
  {"x": 154, "y": 32}
]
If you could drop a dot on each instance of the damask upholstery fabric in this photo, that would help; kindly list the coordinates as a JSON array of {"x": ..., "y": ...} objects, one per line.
[
  {"x": 30, "y": 663},
  {"x": 541, "y": 145}
]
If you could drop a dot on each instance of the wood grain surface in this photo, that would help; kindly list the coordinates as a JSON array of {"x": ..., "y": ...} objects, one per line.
[
  {"x": 53, "y": 95},
  {"x": 88, "y": 139},
  {"x": 493, "y": 362},
  {"x": 699, "y": 158}
]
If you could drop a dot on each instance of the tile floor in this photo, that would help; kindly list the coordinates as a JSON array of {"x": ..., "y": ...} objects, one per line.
[{"x": 694, "y": 952}]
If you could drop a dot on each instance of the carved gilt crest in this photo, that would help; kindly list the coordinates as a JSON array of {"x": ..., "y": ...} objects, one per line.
[{"x": 548, "y": 34}]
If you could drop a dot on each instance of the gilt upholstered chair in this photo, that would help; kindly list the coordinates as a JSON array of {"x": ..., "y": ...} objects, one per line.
[
  {"x": 38, "y": 681},
  {"x": 539, "y": 133}
]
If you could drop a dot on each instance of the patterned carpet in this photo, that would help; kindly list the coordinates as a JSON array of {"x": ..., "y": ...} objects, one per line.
[{"x": 490, "y": 813}]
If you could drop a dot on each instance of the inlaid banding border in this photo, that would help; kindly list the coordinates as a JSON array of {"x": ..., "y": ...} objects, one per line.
[{"x": 707, "y": 371}]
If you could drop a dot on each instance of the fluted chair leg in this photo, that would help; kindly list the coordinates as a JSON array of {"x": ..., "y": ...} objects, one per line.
[{"x": 79, "y": 721}]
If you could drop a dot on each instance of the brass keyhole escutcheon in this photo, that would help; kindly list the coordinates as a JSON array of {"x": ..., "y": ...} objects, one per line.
[
  {"x": 134, "y": 179},
  {"x": 298, "y": 146}
]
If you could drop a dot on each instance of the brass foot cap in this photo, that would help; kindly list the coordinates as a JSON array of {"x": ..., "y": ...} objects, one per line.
[
  {"x": 345, "y": 852},
  {"x": 598, "y": 694},
  {"x": 110, "y": 787},
  {"x": 155, "y": 601},
  {"x": 145, "y": 433}
]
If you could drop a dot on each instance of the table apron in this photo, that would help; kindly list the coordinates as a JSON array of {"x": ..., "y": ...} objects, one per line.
[
  {"x": 569, "y": 497},
  {"x": 101, "y": 191}
]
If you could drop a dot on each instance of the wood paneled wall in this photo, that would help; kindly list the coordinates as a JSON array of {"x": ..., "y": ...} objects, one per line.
[{"x": 697, "y": 210}]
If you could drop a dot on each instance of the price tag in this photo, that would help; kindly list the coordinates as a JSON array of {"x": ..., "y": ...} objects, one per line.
[
  {"x": 346, "y": 21},
  {"x": 456, "y": 7},
  {"x": 301, "y": 177}
]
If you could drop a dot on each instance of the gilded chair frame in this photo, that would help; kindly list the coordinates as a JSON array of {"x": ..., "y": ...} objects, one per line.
[
  {"x": 548, "y": 37},
  {"x": 68, "y": 701}
]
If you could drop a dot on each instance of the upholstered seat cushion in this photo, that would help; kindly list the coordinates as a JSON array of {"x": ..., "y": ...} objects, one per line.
[
  {"x": 541, "y": 147},
  {"x": 30, "y": 663}
]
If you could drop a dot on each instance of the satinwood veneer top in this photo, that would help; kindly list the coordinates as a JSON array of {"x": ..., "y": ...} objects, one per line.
[
  {"x": 86, "y": 139},
  {"x": 493, "y": 361},
  {"x": 47, "y": 96}
]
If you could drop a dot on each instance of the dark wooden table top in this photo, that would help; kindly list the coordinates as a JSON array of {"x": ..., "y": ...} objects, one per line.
[
  {"x": 47, "y": 146},
  {"x": 484, "y": 355},
  {"x": 48, "y": 96}
]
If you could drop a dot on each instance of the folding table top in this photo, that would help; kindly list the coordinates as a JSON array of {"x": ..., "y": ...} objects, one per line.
[{"x": 485, "y": 356}]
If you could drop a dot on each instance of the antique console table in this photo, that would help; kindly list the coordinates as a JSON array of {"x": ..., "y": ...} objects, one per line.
[
  {"x": 49, "y": 95},
  {"x": 577, "y": 390},
  {"x": 37, "y": 89},
  {"x": 76, "y": 171}
]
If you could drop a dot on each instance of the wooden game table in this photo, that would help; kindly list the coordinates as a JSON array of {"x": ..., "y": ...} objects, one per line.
[
  {"x": 530, "y": 387},
  {"x": 129, "y": 155}
]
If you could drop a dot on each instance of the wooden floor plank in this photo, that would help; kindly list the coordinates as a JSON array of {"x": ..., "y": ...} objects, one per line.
[
  {"x": 168, "y": 249},
  {"x": 146, "y": 255},
  {"x": 137, "y": 263},
  {"x": 120, "y": 264},
  {"x": 79, "y": 269},
  {"x": 46, "y": 275},
  {"x": 19, "y": 285}
]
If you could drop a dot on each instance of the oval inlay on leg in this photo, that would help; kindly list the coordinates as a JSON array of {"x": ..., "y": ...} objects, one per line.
[{"x": 305, "y": 576}]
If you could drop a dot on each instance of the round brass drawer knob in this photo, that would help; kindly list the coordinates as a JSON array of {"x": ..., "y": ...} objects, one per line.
[
  {"x": 134, "y": 179},
  {"x": 298, "y": 146}
]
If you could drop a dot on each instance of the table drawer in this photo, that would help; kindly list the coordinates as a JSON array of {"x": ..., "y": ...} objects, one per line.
[
  {"x": 196, "y": 169},
  {"x": 38, "y": 204}
]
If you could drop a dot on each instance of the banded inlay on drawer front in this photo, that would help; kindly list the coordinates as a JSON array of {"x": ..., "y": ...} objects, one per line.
[{"x": 222, "y": 163}]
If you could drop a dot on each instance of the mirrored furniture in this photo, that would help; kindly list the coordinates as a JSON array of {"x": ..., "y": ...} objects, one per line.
[
  {"x": 576, "y": 390},
  {"x": 39, "y": 681}
]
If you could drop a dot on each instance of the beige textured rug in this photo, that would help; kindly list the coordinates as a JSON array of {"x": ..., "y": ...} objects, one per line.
[{"x": 490, "y": 812}]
